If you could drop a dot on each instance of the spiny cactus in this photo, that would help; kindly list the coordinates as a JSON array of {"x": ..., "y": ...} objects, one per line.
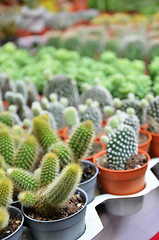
[
  {"x": 132, "y": 120},
  {"x": 49, "y": 169},
  {"x": 71, "y": 116},
  {"x": 44, "y": 133},
  {"x": 63, "y": 153},
  {"x": 64, "y": 86},
  {"x": 4, "y": 218},
  {"x": 50, "y": 119},
  {"x": 57, "y": 111},
  {"x": 56, "y": 194},
  {"x": 33, "y": 95},
  {"x": 22, "y": 88},
  {"x": 23, "y": 110},
  {"x": 6, "y": 84},
  {"x": 36, "y": 108},
  {"x": 97, "y": 93},
  {"x": 6, "y": 146},
  {"x": 6, "y": 117},
  {"x": 92, "y": 113},
  {"x": 2, "y": 173},
  {"x": 10, "y": 97},
  {"x": 26, "y": 155},
  {"x": 81, "y": 139},
  {"x": 153, "y": 115},
  {"x": 121, "y": 144},
  {"x": 6, "y": 191},
  {"x": 22, "y": 179}
]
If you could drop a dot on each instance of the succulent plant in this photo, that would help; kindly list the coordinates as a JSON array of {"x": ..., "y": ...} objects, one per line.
[
  {"x": 121, "y": 144},
  {"x": 6, "y": 84},
  {"x": 132, "y": 120},
  {"x": 64, "y": 86},
  {"x": 57, "y": 111},
  {"x": 81, "y": 140},
  {"x": 7, "y": 118},
  {"x": 44, "y": 134},
  {"x": 153, "y": 115},
  {"x": 32, "y": 93},
  {"x": 23, "y": 110},
  {"x": 21, "y": 87},
  {"x": 71, "y": 116}
]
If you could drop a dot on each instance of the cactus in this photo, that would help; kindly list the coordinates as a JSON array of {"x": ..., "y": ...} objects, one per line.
[
  {"x": 57, "y": 111},
  {"x": 6, "y": 118},
  {"x": 132, "y": 120},
  {"x": 63, "y": 153},
  {"x": 6, "y": 147},
  {"x": 32, "y": 93},
  {"x": 81, "y": 139},
  {"x": 6, "y": 191},
  {"x": 10, "y": 97},
  {"x": 56, "y": 194},
  {"x": 64, "y": 86},
  {"x": 153, "y": 115},
  {"x": 26, "y": 155},
  {"x": 2, "y": 173},
  {"x": 49, "y": 169},
  {"x": 4, "y": 218},
  {"x": 50, "y": 119},
  {"x": 97, "y": 93},
  {"x": 23, "y": 110},
  {"x": 44, "y": 133},
  {"x": 22, "y": 179},
  {"x": 71, "y": 116},
  {"x": 36, "y": 109},
  {"x": 6, "y": 84},
  {"x": 22, "y": 88},
  {"x": 121, "y": 144}
]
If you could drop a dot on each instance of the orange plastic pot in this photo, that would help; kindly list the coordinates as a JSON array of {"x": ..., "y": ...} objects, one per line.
[
  {"x": 90, "y": 158},
  {"x": 63, "y": 133},
  {"x": 105, "y": 121},
  {"x": 124, "y": 182},
  {"x": 154, "y": 148},
  {"x": 6, "y": 105},
  {"x": 146, "y": 145}
]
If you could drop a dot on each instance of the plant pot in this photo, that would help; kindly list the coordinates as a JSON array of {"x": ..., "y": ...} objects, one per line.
[
  {"x": 63, "y": 133},
  {"x": 71, "y": 227},
  {"x": 124, "y": 206},
  {"x": 122, "y": 182},
  {"x": 154, "y": 148},
  {"x": 89, "y": 185},
  {"x": 144, "y": 126},
  {"x": 90, "y": 158},
  {"x": 146, "y": 145},
  {"x": 17, "y": 235},
  {"x": 16, "y": 204},
  {"x": 105, "y": 121}
]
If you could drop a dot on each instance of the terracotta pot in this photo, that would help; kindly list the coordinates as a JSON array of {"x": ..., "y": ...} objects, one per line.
[
  {"x": 105, "y": 121},
  {"x": 90, "y": 158},
  {"x": 119, "y": 182},
  {"x": 154, "y": 148},
  {"x": 144, "y": 126},
  {"x": 146, "y": 145},
  {"x": 6, "y": 105},
  {"x": 63, "y": 133}
]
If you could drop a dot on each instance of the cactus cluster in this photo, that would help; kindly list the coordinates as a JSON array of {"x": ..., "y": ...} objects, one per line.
[
  {"x": 64, "y": 86},
  {"x": 121, "y": 144}
]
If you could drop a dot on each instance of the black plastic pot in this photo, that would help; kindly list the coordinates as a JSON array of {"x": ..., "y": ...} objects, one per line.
[{"x": 70, "y": 228}]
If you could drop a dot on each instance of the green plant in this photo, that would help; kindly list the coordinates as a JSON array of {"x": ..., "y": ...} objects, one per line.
[
  {"x": 6, "y": 84},
  {"x": 71, "y": 116},
  {"x": 121, "y": 144},
  {"x": 7, "y": 118},
  {"x": 153, "y": 114},
  {"x": 57, "y": 111}
]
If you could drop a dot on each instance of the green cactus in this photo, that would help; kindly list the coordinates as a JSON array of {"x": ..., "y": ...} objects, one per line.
[
  {"x": 63, "y": 153},
  {"x": 6, "y": 118},
  {"x": 23, "y": 110},
  {"x": 33, "y": 95},
  {"x": 10, "y": 97},
  {"x": 27, "y": 198},
  {"x": 44, "y": 133},
  {"x": 22, "y": 88},
  {"x": 132, "y": 120},
  {"x": 2, "y": 173},
  {"x": 4, "y": 218},
  {"x": 6, "y": 191},
  {"x": 26, "y": 155},
  {"x": 81, "y": 139},
  {"x": 22, "y": 179},
  {"x": 6, "y": 146},
  {"x": 6, "y": 84},
  {"x": 153, "y": 115},
  {"x": 49, "y": 169},
  {"x": 57, "y": 111},
  {"x": 71, "y": 116},
  {"x": 50, "y": 119}
]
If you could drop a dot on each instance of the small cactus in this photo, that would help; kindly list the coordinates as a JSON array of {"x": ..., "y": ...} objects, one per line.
[
  {"x": 22, "y": 88},
  {"x": 81, "y": 139},
  {"x": 6, "y": 118},
  {"x": 6, "y": 191},
  {"x": 4, "y": 218},
  {"x": 153, "y": 115},
  {"x": 44, "y": 133},
  {"x": 26, "y": 155},
  {"x": 71, "y": 116},
  {"x": 57, "y": 111}
]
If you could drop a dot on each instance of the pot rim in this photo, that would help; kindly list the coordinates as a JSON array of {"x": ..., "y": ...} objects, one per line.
[
  {"x": 22, "y": 221},
  {"x": 62, "y": 219},
  {"x": 153, "y": 134},
  {"x": 121, "y": 171},
  {"x": 94, "y": 176},
  {"x": 148, "y": 134}
]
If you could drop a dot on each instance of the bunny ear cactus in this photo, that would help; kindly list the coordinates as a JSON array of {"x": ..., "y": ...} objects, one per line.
[
  {"x": 64, "y": 86},
  {"x": 44, "y": 134},
  {"x": 121, "y": 144},
  {"x": 6, "y": 146},
  {"x": 153, "y": 115},
  {"x": 49, "y": 169},
  {"x": 63, "y": 153},
  {"x": 81, "y": 139},
  {"x": 27, "y": 153}
]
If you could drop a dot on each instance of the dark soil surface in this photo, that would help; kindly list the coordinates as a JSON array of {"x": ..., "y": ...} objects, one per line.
[
  {"x": 142, "y": 138},
  {"x": 14, "y": 223},
  {"x": 96, "y": 147},
  {"x": 73, "y": 206},
  {"x": 133, "y": 162},
  {"x": 88, "y": 172}
]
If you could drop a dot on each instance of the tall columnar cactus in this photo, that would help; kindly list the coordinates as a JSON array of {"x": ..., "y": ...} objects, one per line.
[
  {"x": 63, "y": 153},
  {"x": 81, "y": 139},
  {"x": 121, "y": 144},
  {"x": 97, "y": 93},
  {"x": 7, "y": 118},
  {"x": 94, "y": 114},
  {"x": 44, "y": 134},
  {"x": 27, "y": 153},
  {"x": 22, "y": 179},
  {"x": 64, "y": 86},
  {"x": 6, "y": 146},
  {"x": 49, "y": 169},
  {"x": 56, "y": 194},
  {"x": 153, "y": 115}
]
